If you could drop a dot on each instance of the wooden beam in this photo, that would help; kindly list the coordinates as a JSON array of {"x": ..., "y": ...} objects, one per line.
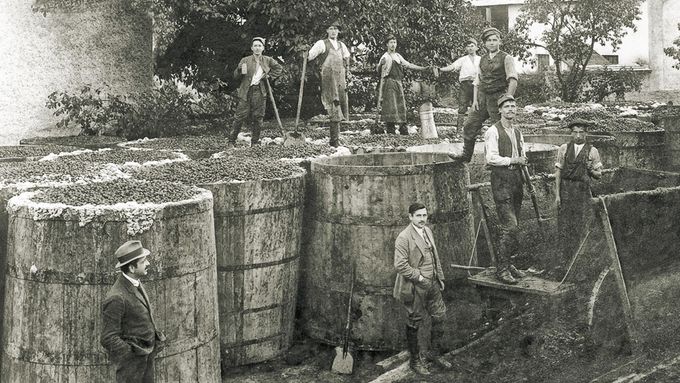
[{"x": 618, "y": 273}]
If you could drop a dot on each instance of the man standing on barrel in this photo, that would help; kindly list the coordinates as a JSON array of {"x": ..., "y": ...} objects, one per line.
[
  {"x": 504, "y": 152},
  {"x": 577, "y": 162},
  {"x": 419, "y": 283},
  {"x": 496, "y": 77},
  {"x": 334, "y": 62},
  {"x": 253, "y": 71},
  {"x": 467, "y": 66},
  {"x": 391, "y": 71},
  {"x": 129, "y": 333}
]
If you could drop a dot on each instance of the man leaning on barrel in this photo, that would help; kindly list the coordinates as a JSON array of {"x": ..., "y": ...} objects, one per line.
[
  {"x": 418, "y": 286},
  {"x": 504, "y": 152},
  {"x": 129, "y": 332}
]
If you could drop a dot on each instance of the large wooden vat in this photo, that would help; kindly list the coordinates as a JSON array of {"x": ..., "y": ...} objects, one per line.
[
  {"x": 359, "y": 204},
  {"x": 60, "y": 265},
  {"x": 671, "y": 124},
  {"x": 257, "y": 232}
]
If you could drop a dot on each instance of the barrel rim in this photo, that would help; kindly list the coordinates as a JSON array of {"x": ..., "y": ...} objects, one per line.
[
  {"x": 329, "y": 163},
  {"x": 299, "y": 174}
]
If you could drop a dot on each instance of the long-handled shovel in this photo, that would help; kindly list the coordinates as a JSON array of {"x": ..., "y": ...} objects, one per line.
[
  {"x": 378, "y": 128},
  {"x": 343, "y": 362},
  {"x": 295, "y": 137},
  {"x": 276, "y": 110}
]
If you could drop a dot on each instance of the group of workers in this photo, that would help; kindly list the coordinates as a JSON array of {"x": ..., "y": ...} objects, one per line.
[{"x": 488, "y": 84}]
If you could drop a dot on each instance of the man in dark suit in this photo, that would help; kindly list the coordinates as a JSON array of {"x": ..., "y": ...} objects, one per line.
[
  {"x": 418, "y": 286},
  {"x": 253, "y": 71},
  {"x": 129, "y": 332}
]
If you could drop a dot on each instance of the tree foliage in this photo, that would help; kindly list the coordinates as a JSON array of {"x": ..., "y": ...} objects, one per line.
[
  {"x": 572, "y": 31},
  {"x": 674, "y": 51}
]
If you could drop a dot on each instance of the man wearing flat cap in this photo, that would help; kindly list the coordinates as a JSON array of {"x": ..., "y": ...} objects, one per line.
[
  {"x": 333, "y": 58},
  {"x": 496, "y": 77},
  {"x": 504, "y": 153},
  {"x": 391, "y": 71},
  {"x": 252, "y": 71},
  {"x": 577, "y": 163},
  {"x": 467, "y": 67},
  {"x": 129, "y": 333}
]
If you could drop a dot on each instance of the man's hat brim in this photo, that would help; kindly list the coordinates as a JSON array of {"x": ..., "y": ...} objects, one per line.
[
  {"x": 144, "y": 253},
  {"x": 579, "y": 122}
]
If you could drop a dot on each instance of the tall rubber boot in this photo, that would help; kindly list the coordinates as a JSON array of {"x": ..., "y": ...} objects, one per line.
[
  {"x": 235, "y": 130},
  {"x": 415, "y": 362},
  {"x": 334, "y": 134},
  {"x": 434, "y": 354}
]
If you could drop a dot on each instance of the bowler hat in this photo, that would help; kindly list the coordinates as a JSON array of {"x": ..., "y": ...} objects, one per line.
[
  {"x": 260, "y": 39},
  {"x": 130, "y": 251},
  {"x": 490, "y": 32},
  {"x": 579, "y": 122},
  {"x": 504, "y": 98}
]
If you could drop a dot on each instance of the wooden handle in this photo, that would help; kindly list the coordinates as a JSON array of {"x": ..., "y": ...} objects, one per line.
[{"x": 302, "y": 87}]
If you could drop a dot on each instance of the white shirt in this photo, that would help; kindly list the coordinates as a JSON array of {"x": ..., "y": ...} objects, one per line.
[
  {"x": 319, "y": 47},
  {"x": 134, "y": 282},
  {"x": 577, "y": 148},
  {"x": 259, "y": 73},
  {"x": 467, "y": 65},
  {"x": 492, "y": 154},
  {"x": 422, "y": 234}
]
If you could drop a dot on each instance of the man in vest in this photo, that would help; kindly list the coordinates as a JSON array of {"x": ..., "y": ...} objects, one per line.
[
  {"x": 496, "y": 77},
  {"x": 252, "y": 71},
  {"x": 467, "y": 66},
  {"x": 577, "y": 162},
  {"x": 419, "y": 283},
  {"x": 334, "y": 61},
  {"x": 391, "y": 70},
  {"x": 504, "y": 152}
]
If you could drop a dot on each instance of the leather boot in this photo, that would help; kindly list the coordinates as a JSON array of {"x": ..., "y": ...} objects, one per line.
[
  {"x": 504, "y": 276},
  {"x": 255, "y": 137},
  {"x": 235, "y": 130},
  {"x": 434, "y": 354},
  {"x": 416, "y": 362},
  {"x": 468, "y": 150},
  {"x": 389, "y": 127},
  {"x": 460, "y": 121},
  {"x": 403, "y": 129},
  {"x": 334, "y": 134}
]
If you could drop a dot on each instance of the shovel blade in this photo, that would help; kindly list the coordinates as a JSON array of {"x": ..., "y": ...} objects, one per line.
[
  {"x": 293, "y": 138},
  {"x": 342, "y": 364}
]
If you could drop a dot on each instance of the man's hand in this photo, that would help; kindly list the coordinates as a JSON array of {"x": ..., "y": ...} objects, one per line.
[
  {"x": 475, "y": 106},
  {"x": 519, "y": 160},
  {"x": 441, "y": 285},
  {"x": 421, "y": 279},
  {"x": 303, "y": 48},
  {"x": 558, "y": 202}
]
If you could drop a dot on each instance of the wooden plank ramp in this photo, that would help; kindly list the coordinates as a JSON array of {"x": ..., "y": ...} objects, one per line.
[{"x": 529, "y": 285}]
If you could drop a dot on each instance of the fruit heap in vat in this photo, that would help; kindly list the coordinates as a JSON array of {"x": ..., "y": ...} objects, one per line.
[
  {"x": 78, "y": 141},
  {"x": 214, "y": 143},
  {"x": 33, "y": 150},
  {"x": 306, "y": 150},
  {"x": 136, "y": 202},
  {"x": 387, "y": 140},
  {"x": 54, "y": 173},
  {"x": 214, "y": 170},
  {"x": 604, "y": 121},
  {"x": 119, "y": 157}
]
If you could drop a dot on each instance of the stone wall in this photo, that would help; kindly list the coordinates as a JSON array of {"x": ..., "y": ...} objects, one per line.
[{"x": 75, "y": 42}]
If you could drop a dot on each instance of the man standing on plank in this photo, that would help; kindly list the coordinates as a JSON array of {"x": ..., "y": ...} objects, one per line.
[
  {"x": 496, "y": 77},
  {"x": 334, "y": 61},
  {"x": 467, "y": 66},
  {"x": 504, "y": 152},
  {"x": 391, "y": 70}
]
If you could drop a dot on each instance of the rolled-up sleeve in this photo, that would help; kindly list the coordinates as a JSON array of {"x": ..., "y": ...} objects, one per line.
[
  {"x": 318, "y": 48},
  {"x": 594, "y": 157},
  {"x": 510, "y": 71},
  {"x": 561, "y": 154}
]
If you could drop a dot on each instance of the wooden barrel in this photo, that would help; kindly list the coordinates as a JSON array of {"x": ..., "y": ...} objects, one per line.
[
  {"x": 642, "y": 150},
  {"x": 359, "y": 205},
  {"x": 257, "y": 230},
  {"x": 60, "y": 265},
  {"x": 671, "y": 125}
]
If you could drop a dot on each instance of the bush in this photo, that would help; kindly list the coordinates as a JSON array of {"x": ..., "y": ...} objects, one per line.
[
  {"x": 535, "y": 88},
  {"x": 167, "y": 109},
  {"x": 600, "y": 84}
]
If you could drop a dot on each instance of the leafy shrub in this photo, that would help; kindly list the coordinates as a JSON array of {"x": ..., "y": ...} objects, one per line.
[
  {"x": 535, "y": 88},
  {"x": 600, "y": 84}
]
